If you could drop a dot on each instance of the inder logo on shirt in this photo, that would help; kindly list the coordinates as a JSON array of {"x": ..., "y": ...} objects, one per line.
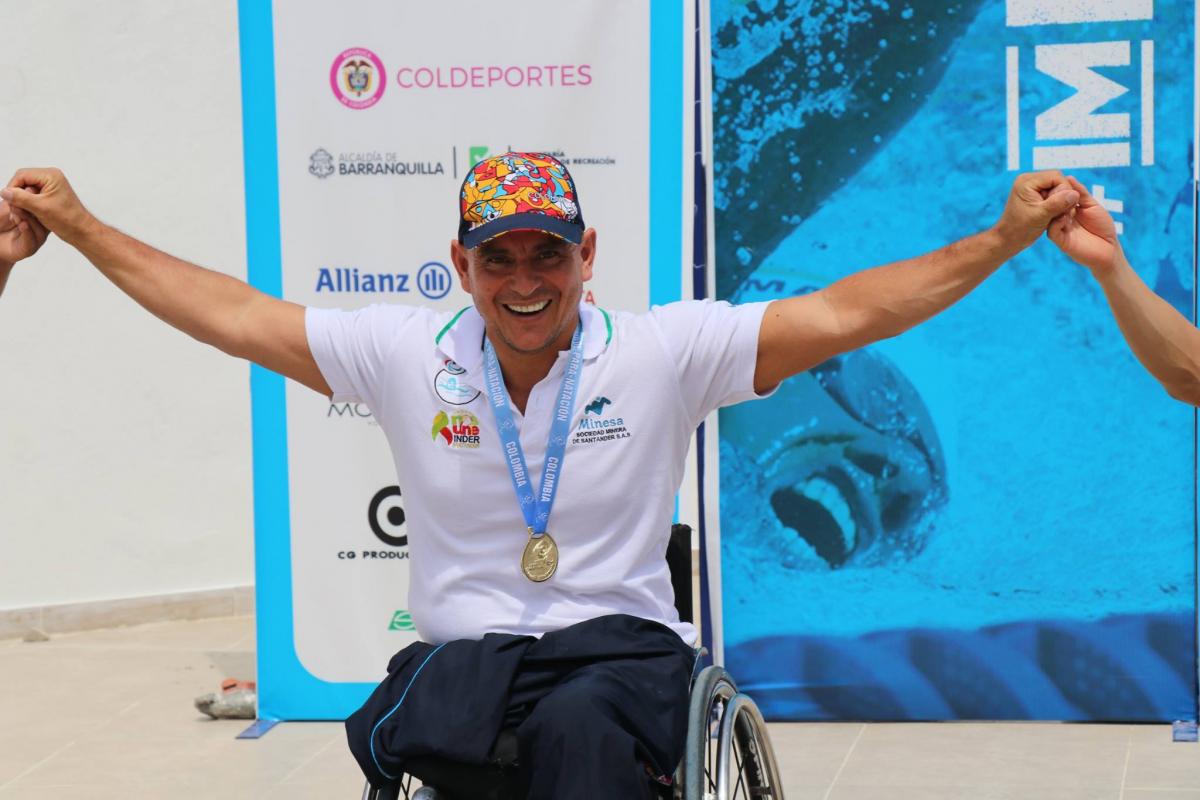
[{"x": 460, "y": 429}]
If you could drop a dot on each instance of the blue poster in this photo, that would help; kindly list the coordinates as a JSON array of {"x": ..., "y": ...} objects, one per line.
[{"x": 992, "y": 515}]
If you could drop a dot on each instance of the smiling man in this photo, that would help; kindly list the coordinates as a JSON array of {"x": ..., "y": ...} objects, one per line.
[{"x": 545, "y": 604}]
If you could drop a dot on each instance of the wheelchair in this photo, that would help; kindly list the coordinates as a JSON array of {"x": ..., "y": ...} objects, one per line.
[{"x": 728, "y": 754}]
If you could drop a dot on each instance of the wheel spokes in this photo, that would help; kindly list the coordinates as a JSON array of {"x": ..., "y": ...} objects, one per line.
[{"x": 737, "y": 759}]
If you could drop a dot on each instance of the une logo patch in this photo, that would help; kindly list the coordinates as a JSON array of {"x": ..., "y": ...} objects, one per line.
[{"x": 460, "y": 429}]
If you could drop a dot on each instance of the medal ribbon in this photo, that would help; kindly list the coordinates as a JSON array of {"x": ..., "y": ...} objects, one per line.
[{"x": 536, "y": 510}]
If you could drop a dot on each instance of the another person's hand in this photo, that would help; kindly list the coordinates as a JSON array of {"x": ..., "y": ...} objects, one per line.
[
  {"x": 48, "y": 199},
  {"x": 1087, "y": 233},
  {"x": 20, "y": 235},
  {"x": 1036, "y": 199}
]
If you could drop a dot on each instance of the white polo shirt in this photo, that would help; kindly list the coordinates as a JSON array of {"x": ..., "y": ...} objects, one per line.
[{"x": 648, "y": 380}]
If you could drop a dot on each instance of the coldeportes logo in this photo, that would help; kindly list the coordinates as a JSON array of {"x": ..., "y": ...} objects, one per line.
[
  {"x": 402, "y": 621},
  {"x": 460, "y": 429},
  {"x": 494, "y": 76},
  {"x": 357, "y": 78}
]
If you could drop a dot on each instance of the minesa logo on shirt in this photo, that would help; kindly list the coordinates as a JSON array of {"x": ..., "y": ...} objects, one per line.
[
  {"x": 599, "y": 423},
  {"x": 458, "y": 429}
]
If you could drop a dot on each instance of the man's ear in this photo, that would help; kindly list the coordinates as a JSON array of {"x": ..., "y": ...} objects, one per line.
[
  {"x": 462, "y": 263},
  {"x": 587, "y": 252}
]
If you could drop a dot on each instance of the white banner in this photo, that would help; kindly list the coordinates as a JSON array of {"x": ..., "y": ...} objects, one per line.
[{"x": 378, "y": 115}]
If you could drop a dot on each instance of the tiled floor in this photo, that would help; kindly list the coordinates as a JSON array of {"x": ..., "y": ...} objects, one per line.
[{"x": 108, "y": 714}]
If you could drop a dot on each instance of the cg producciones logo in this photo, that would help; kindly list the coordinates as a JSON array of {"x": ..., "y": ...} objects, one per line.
[
  {"x": 385, "y": 515},
  {"x": 357, "y": 78}
]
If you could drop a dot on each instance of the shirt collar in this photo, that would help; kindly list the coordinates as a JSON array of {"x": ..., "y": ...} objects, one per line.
[{"x": 461, "y": 339}]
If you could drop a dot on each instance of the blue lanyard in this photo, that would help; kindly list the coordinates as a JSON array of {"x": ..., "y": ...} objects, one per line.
[{"x": 536, "y": 510}]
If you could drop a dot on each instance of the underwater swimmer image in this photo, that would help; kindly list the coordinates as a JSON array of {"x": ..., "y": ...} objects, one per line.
[
  {"x": 1031, "y": 554},
  {"x": 857, "y": 477},
  {"x": 784, "y": 75},
  {"x": 804, "y": 92}
]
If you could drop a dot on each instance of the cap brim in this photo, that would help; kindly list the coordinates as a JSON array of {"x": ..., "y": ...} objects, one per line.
[{"x": 529, "y": 221}]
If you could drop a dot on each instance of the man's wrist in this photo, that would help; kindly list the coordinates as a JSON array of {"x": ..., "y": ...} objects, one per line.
[
  {"x": 1004, "y": 241},
  {"x": 78, "y": 235},
  {"x": 1106, "y": 273}
]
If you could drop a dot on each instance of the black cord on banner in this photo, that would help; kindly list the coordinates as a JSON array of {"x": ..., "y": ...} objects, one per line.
[{"x": 700, "y": 292}]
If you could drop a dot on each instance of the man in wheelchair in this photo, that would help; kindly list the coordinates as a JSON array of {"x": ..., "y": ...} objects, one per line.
[{"x": 557, "y": 628}]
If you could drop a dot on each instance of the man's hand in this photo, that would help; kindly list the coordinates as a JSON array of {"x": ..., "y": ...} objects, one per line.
[
  {"x": 1087, "y": 234},
  {"x": 1036, "y": 199},
  {"x": 209, "y": 306},
  {"x": 47, "y": 199},
  {"x": 20, "y": 235}
]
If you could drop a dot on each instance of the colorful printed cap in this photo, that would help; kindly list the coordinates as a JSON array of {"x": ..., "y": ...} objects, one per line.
[{"x": 519, "y": 192}]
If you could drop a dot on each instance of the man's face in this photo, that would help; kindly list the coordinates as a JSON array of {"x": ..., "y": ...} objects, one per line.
[{"x": 526, "y": 285}]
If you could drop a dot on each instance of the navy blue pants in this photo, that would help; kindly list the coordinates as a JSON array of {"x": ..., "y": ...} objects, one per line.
[{"x": 593, "y": 706}]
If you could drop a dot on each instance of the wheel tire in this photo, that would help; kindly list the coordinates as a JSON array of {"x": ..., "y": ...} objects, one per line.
[
  {"x": 712, "y": 687},
  {"x": 714, "y": 696},
  {"x": 751, "y": 758}
]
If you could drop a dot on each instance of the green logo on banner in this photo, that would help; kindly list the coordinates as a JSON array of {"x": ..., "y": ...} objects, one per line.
[
  {"x": 476, "y": 154},
  {"x": 402, "y": 621}
]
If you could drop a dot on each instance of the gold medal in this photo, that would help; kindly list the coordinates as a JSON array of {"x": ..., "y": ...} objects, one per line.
[{"x": 540, "y": 559}]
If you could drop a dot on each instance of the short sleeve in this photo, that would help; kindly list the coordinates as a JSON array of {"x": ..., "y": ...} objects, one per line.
[
  {"x": 353, "y": 348},
  {"x": 715, "y": 349}
]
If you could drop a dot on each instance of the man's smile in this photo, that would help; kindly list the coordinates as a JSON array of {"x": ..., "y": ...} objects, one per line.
[{"x": 527, "y": 310}]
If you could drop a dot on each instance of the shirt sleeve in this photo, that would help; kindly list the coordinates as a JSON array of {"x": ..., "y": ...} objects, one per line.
[
  {"x": 714, "y": 346},
  {"x": 353, "y": 348}
]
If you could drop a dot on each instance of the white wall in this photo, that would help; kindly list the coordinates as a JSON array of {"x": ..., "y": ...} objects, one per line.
[{"x": 125, "y": 456}]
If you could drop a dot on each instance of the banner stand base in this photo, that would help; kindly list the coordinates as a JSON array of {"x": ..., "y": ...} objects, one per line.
[
  {"x": 1183, "y": 730},
  {"x": 262, "y": 727}
]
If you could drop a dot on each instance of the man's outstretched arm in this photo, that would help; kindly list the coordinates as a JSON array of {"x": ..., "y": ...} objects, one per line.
[
  {"x": 1166, "y": 343},
  {"x": 800, "y": 332},
  {"x": 209, "y": 306}
]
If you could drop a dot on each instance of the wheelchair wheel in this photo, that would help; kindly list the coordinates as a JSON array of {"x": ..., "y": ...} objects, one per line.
[
  {"x": 728, "y": 755},
  {"x": 401, "y": 790}
]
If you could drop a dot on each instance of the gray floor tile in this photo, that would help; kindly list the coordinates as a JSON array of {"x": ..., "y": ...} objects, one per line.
[
  {"x": 810, "y": 755},
  {"x": 108, "y": 714},
  {"x": 978, "y": 792},
  {"x": 1159, "y": 763},
  {"x": 1071, "y": 760}
]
